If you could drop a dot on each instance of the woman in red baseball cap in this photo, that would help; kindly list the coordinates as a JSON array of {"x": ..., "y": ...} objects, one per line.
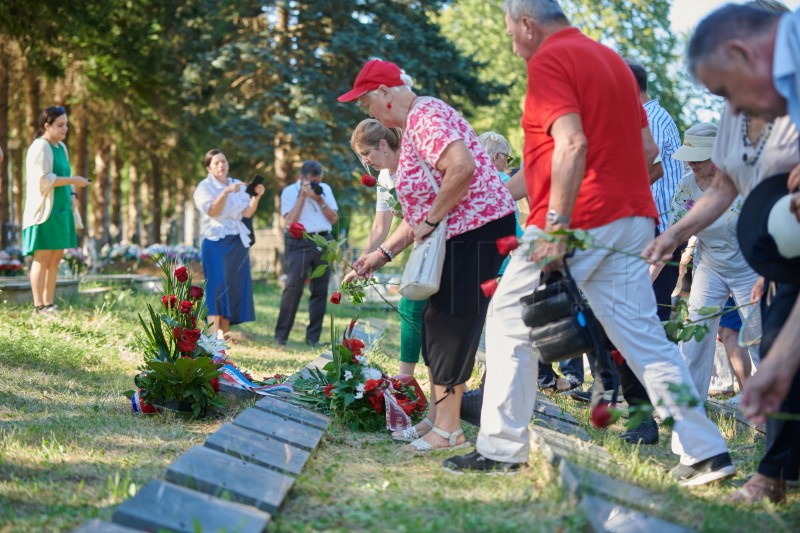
[{"x": 477, "y": 208}]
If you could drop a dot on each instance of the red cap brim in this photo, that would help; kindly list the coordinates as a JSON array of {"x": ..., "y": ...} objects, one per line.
[{"x": 351, "y": 95}]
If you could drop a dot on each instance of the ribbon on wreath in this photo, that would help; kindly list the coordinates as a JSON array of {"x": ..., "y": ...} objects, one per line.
[
  {"x": 139, "y": 406},
  {"x": 396, "y": 417},
  {"x": 232, "y": 375}
]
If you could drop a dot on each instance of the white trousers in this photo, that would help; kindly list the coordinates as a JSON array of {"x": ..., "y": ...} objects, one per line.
[
  {"x": 620, "y": 293},
  {"x": 711, "y": 288}
]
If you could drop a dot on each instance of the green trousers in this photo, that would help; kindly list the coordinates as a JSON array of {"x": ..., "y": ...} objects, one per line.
[{"x": 410, "y": 329}]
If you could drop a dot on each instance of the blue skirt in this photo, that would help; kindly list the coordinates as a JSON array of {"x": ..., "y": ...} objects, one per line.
[{"x": 229, "y": 289}]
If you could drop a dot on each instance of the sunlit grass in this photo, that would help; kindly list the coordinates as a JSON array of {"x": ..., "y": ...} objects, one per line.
[{"x": 70, "y": 449}]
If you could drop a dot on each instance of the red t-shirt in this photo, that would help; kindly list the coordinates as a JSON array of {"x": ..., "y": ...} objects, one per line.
[{"x": 571, "y": 73}]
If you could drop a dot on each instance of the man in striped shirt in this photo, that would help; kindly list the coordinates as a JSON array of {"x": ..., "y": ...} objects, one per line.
[{"x": 666, "y": 135}]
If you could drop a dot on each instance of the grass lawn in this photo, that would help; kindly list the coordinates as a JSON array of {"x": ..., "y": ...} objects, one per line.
[{"x": 70, "y": 449}]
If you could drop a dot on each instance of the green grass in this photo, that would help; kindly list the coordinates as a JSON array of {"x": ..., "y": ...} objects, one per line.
[{"x": 71, "y": 450}]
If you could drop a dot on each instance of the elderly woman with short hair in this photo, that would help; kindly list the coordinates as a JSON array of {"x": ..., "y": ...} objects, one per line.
[{"x": 477, "y": 208}]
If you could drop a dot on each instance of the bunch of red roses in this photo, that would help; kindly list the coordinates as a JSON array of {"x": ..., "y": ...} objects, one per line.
[{"x": 182, "y": 309}]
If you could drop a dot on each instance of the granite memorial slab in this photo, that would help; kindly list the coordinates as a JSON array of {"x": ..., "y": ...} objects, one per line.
[
  {"x": 605, "y": 516},
  {"x": 101, "y": 526},
  {"x": 292, "y": 412},
  {"x": 581, "y": 480},
  {"x": 221, "y": 475},
  {"x": 160, "y": 505},
  {"x": 279, "y": 428},
  {"x": 258, "y": 449}
]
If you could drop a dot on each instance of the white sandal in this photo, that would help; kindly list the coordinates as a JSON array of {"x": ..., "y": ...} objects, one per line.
[
  {"x": 410, "y": 434},
  {"x": 420, "y": 445}
]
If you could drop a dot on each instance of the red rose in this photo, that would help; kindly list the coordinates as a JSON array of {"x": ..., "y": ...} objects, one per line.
[
  {"x": 182, "y": 274},
  {"x": 192, "y": 334},
  {"x": 506, "y": 244},
  {"x": 603, "y": 415},
  {"x": 214, "y": 383},
  {"x": 176, "y": 332},
  {"x": 336, "y": 297},
  {"x": 489, "y": 286},
  {"x": 195, "y": 292},
  {"x": 617, "y": 357},
  {"x": 376, "y": 400},
  {"x": 296, "y": 230},
  {"x": 396, "y": 384},
  {"x": 278, "y": 377},
  {"x": 169, "y": 302},
  {"x": 194, "y": 321},
  {"x": 371, "y": 385},
  {"x": 354, "y": 345},
  {"x": 186, "y": 346},
  {"x": 327, "y": 390},
  {"x": 186, "y": 306},
  {"x": 368, "y": 181},
  {"x": 408, "y": 408}
]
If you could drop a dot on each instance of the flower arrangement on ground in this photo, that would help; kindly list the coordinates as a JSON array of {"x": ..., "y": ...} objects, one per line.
[
  {"x": 11, "y": 263},
  {"x": 76, "y": 261},
  {"x": 181, "y": 362},
  {"x": 359, "y": 395}
]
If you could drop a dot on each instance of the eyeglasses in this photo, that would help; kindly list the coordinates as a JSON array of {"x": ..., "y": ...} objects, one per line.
[{"x": 509, "y": 159}]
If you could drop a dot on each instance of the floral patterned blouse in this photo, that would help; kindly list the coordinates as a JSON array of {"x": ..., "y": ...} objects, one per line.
[
  {"x": 717, "y": 245},
  {"x": 431, "y": 127}
]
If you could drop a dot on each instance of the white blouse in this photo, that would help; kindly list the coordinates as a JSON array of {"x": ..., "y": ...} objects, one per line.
[{"x": 229, "y": 222}]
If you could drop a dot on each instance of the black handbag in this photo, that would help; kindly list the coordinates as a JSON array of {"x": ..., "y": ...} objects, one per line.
[{"x": 561, "y": 321}]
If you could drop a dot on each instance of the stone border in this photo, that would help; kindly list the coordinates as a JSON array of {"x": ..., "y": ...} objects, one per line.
[{"x": 241, "y": 475}]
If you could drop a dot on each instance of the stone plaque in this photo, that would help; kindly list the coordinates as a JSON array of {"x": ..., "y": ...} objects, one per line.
[
  {"x": 161, "y": 505},
  {"x": 216, "y": 473},
  {"x": 278, "y": 428},
  {"x": 258, "y": 449}
]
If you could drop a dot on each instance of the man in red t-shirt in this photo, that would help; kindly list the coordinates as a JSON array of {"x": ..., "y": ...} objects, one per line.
[{"x": 586, "y": 143}]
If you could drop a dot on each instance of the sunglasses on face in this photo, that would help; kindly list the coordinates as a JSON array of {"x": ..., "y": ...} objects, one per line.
[{"x": 509, "y": 159}]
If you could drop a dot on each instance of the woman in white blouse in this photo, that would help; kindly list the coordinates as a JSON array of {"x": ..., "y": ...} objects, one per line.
[{"x": 222, "y": 202}]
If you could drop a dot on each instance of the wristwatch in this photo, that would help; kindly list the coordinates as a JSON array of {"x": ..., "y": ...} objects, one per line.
[{"x": 553, "y": 218}]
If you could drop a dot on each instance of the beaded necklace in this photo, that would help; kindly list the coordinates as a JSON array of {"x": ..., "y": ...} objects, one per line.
[{"x": 758, "y": 146}]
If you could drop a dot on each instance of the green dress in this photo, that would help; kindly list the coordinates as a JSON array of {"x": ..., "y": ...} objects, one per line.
[{"x": 58, "y": 231}]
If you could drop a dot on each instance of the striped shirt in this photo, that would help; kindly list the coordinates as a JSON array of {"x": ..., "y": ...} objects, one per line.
[{"x": 666, "y": 136}]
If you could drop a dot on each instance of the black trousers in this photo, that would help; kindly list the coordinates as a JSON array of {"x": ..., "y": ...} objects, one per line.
[
  {"x": 302, "y": 257},
  {"x": 453, "y": 319},
  {"x": 664, "y": 285},
  {"x": 782, "y": 458}
]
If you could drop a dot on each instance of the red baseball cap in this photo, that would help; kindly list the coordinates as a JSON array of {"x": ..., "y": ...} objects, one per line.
[{"x": 373, "y": 74}]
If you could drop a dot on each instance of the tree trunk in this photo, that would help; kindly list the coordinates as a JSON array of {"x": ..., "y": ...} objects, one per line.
[
  {"x": 31, "y": 106},
  {"x": 100, "y": 193},
  {"x": 79, "y": 157},
  {"x": 133, "y": 226},
  {"x": 154, "y": 198},
  {"x": 116, "y": 194},
  {"x": 18, "y": 187},
  {"x": 282, "y": 142},
  {"x": 5, "y": 67},
  {"x": 180, "y": 208}
]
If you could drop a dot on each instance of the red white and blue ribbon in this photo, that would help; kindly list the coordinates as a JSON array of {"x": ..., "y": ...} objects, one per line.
[
  {"x": 232, "y": 374},
  {"x": 139, "y": 406}
]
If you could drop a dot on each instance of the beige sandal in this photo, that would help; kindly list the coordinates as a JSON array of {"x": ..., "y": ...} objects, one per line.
[
  {"x": 421, "y": 445},
  {"x": 410, "y": 434}
]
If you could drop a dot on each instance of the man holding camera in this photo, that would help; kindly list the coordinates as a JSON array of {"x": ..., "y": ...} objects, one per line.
[{"x": 311, "y": 203}]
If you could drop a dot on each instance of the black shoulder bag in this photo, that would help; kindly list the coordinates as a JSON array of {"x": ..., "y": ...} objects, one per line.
[{"x": 561, "y": 321}]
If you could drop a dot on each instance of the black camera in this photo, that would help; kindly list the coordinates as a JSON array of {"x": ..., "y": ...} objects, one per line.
[{"x": 316, "y": 187}]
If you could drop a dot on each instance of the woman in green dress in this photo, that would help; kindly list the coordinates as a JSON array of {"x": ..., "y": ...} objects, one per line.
[{"x": 48, "y": 223}]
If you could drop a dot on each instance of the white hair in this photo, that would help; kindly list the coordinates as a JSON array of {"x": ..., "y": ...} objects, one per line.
[
  {"x": 494, "y": 143},
  {"x": 542, "y": 11},
  {"x": 703, "y": 129}
]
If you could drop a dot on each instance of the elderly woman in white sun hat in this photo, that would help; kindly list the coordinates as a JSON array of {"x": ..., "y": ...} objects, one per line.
[{"x": 719, "y": 266}]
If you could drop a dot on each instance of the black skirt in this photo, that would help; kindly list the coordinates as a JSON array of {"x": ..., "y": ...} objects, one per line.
[{"x": 454, "y": 317}]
